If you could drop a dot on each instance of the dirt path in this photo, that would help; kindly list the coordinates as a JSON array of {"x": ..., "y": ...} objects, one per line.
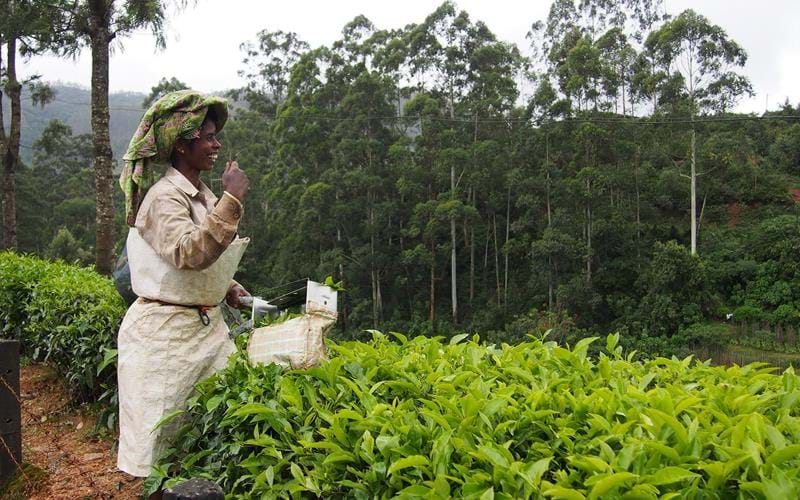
[{"x": 57, "y": 439}]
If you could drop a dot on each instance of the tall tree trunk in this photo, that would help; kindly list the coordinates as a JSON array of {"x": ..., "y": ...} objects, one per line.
[
  {"x": 496, "y": 262},
  {"x": 694, "y": 190},
  {"x": 372, "y": 271},
  {"x": 505, "y": 252},
  {"x": 343, "y": 310},
  {"x": 473, "y": 198},
  {"x": 379, "y": 295},
  {"x": 484, "y": 277},
  {"x": 638, "y": 207},
  {"x": 549, "y": 220},
  {"x": 588, "y": 232},
  {"x": 550, "y": 284},
  {"x": 3, "y": 138},
  {"x": 103, "y": 166},
  {"x": 472, "y": 256},
  {"x": 622, "y": 79},
  {"x": 702, "y": 210},
  {"x": 11, "y": 153},
  {"x": 340, "y": 245},
  {"x": 375, "y": 294},
  {"x": 375, "y": 274},
  {"x": 453, "y": 289},
  {"x": 432, "y": 312},
  {"x": 465, "y": 229}
]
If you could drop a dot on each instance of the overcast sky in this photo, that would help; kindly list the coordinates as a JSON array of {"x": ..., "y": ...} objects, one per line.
[{"x": 203, "y": 41}]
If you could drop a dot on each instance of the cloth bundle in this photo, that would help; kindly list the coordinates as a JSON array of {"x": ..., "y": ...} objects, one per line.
[{"x": 295, "y": 343}]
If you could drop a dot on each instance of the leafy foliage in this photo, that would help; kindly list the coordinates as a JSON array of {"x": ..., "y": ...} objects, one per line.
[
  {"x": 425, "y": 418},
  {"x": 410, "y": 166},
  {"x": 65, "y": 315}
]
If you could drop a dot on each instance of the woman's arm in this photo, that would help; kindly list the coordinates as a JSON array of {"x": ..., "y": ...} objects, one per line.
[{"x": 169, "y": 229}]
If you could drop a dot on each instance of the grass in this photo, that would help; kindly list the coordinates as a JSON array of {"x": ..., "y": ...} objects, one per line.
[
  {"x": 742, "y": 355},
  {"x": 23, "y": 483}
]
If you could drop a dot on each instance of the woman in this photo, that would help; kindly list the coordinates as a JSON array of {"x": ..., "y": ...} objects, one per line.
[{"x": 183, "y": 250}]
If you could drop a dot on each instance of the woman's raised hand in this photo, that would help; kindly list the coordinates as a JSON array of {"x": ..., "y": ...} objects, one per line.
[{"x": 235, "y": 181}]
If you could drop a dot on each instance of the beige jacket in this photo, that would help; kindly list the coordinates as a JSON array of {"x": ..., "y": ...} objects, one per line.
[{"x": 187, "y": 226}]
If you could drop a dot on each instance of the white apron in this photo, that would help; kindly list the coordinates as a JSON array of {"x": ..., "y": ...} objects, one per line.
[{"x": 164, "y": 350}]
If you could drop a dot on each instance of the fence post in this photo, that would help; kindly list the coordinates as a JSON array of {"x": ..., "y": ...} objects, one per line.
[
  {"x": 10, "y": 417},
  {"x": 195, "y": 489}
]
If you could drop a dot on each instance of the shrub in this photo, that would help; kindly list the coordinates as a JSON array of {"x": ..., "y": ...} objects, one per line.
[
  {"x": 18, "y": 275},
  {"x": 66, "y": 315},
  {"x": 785, "y": 314},
  {"x": 64, "y": 246},
  {"x": 423, "y": 418},
  {"x": 764, "y": 340},
  {"x": 709, "y": 337},
  {"x": 674, "y": 288},
  {"x": 748, "y": 314}
]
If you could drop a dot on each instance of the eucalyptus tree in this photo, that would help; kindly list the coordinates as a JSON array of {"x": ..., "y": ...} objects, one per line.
[
  {"x": 491, "y": 94},
  {"x": 360, "y": 154},
  {"x": 164, "y": 86},
  {"x": 61, "y": 159},
  {"x": 618, "y": 56},
  {"x": 462, "y": 64},
  {"x": 702, "y": 57},
  {"x": 362, "y": 101},
  {"x": 96, "y": 25},
  {"x": 268, "y": 64},
  {"x": 22, "y": 23},
  {"x": 584, "y": 47},
  {"x": 288, "y": 154},
  {"x": 438, "y": 63},
  {"x": 278, "y": 138}
]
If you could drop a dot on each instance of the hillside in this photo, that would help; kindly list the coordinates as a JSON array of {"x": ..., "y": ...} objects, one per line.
[{"x": 72, "y": 106}]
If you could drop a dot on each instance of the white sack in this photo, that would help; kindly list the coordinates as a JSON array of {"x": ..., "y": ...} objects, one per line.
[
  {"x": 154, "y": 278},
  {"x": 295, "y": 343}
]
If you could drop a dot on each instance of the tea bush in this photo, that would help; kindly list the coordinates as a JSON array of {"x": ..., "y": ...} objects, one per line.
[
  {"x": 423, "y": 418},
  {"x": 18, "y": 275},
  {"x": 65, "y": 315}
]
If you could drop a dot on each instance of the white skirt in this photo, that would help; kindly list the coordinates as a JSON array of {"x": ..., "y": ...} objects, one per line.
[{"x": 164, "y": 351}]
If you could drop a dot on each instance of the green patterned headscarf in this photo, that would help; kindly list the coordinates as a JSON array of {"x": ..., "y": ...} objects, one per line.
[{"x": 176, "y": 115}]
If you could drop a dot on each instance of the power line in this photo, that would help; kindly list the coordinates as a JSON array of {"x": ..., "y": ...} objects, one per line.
[
  {"x": 472, "y": 120},
  {"x": 89, "y": 105},
  {"x": 669, "y": 121},
  {"x": 627, "y": 121},
  {"x": 619, "y": 120}
]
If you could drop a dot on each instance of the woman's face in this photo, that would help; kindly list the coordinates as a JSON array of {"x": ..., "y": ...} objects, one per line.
[{"x": 202, "y": 152}]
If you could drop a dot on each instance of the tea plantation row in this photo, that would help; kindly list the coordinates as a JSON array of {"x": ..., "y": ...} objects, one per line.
[
  {"x": 422, "y": 418},
  {"x": 428, "y": 418},
  {"x": 67, "y": 316}
]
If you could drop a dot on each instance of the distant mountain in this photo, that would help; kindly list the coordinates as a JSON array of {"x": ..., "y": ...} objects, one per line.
[{"x": 72, "y": 105}]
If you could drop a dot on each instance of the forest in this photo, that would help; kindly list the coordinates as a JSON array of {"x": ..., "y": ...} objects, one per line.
[{"x": 596, "y": 181}]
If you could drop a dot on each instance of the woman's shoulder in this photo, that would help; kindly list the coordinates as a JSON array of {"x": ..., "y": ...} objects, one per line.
[
  {"x": 162, "y": 195},
  {"x": 163, "y": 190}
]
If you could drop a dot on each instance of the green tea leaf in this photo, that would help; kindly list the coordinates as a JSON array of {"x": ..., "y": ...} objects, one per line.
[
  {"x": 405, "y": 463},
  {"x": 669, "y": 475},
  {"x": 561, "y": 493},
  {"x": 109, "y": 357},
  {"x": 167, "y": 418},
  {"x": 610, "y": 482},
  {"x": 492, "y": 455},
  {"x": 780, "y": 456},
  {"x": 213, "y": 403}
]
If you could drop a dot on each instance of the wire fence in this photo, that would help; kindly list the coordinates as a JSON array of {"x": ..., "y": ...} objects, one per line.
[
  {"x": 29, "y": 418},
  {"x": 737, "y": 355}
]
